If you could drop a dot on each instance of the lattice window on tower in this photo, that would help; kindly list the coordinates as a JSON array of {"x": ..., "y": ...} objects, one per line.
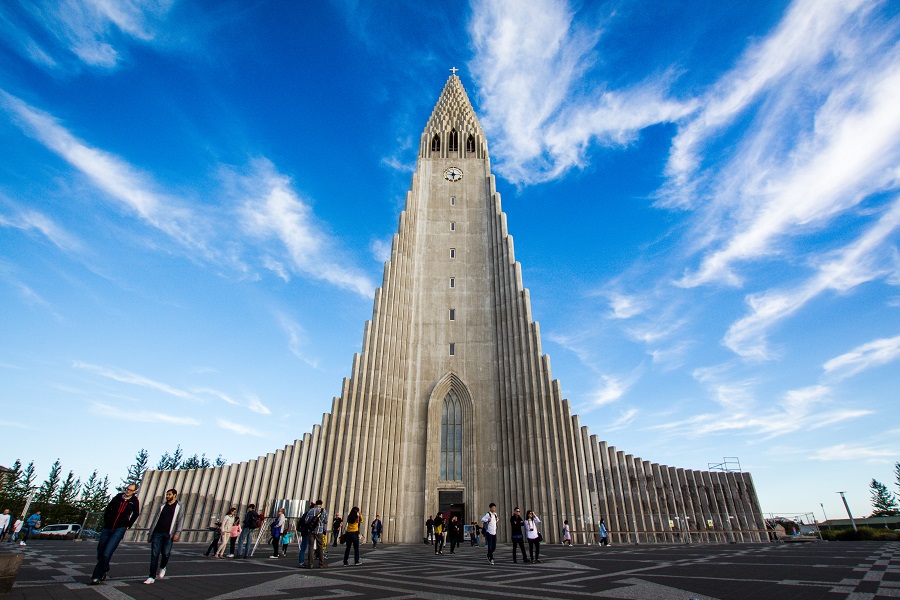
[
  {"x": 436, "y": 143},
  {"x": 470, "y": 143},
  {"x": 451, "y": 438},
  {"x": 453, "y": 141}
]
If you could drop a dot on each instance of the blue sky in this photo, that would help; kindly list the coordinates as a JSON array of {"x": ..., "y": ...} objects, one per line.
[{"x": 196, "y": 200}]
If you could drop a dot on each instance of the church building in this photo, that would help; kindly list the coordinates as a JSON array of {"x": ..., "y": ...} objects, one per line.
[{"x": 450, "y": 405}]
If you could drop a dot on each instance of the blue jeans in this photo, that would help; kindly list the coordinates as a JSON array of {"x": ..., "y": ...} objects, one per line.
[
  {"x": 26, "y": 530},
  {"x": 109, "y": 541},
  {"x": 304, "y": 542},
  {"x": 160, "y": 549},
  {"x": 375, "y": 537},
  {"x": 245, "y": 541},
  {"x": 491, "y": 542}
]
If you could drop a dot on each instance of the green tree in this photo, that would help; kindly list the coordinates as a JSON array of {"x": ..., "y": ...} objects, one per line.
[
  {"x": 48, "y": 489},
  {"x": 136, "y": 471},
  {"x": 170, "y": 462},
  {"x": 196, "y": 462},
  {"x": 220, "y": 462},
  {"x": 68, "y": 491},
  {"x": 89, "y": 492},
  {"x": 9, "y": 492},
  {"x": 884, "y": 502}
]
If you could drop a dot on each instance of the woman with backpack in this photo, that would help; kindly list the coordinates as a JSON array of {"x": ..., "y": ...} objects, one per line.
[
  {"x": 275, "y": 530},
  {"x": 351, "y": 535}
]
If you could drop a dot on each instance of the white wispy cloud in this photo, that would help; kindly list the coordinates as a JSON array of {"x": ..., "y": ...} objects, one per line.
[
  {"x": 239, "y": 428},
  {"x": 272, "y": 209},
  {"x": 256, "y": 405},
  {"x": 801, "y": 409},
  {"x": 626, "y": 418},
  {"x": 610, "y": 388},
  {"x": 624, "y": 306},
  {"x": 140, "y": 416},
  {"x": 33, "y": 220},
  {"x": 539, "y": 126},
  {"x": 220, "y": 395},
  {"x": 381, "y": 249},
  {"x": 296, "y": 337},
  {"x": 866, "y": 356},
  {"x": 132, "y": 379},
  {"x": 88, "y": 32},
  {"x": 856, "y": 452},
  {"x": 132, "y": 189},
  {"x": 865, "y": 259}
]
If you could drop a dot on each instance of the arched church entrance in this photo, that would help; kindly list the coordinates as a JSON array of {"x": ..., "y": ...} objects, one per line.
[{"x": 450, "y": 471}]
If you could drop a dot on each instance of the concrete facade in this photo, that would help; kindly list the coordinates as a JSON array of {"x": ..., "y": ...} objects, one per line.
[{"x": 451, "y": 400}]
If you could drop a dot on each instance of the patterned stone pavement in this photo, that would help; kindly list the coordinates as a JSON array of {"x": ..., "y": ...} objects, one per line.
[{"x": 836, "y": 570}]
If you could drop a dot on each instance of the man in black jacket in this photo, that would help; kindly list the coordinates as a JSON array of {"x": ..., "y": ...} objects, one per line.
[
  {"x": 121, "y": 513},
  {"x": 251, "y": 524}
]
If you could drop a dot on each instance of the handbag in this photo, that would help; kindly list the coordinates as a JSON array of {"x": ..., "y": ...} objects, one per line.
[{"x": 540, "y": 537}]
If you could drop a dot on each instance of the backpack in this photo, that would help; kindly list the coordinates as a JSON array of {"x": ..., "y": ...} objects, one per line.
[
  {"x": 252, "y": 520},
  {"x": 308, "y": 522}
]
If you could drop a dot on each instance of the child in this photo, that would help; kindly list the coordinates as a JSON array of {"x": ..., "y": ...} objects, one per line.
[
  {"x": 567, "y": 534},
  {"x": 235, "y": 533},
  {"x": 286, "y": 538}
]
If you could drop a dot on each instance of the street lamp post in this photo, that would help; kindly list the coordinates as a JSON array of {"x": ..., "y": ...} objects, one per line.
[{"x": 847, "y": 506}]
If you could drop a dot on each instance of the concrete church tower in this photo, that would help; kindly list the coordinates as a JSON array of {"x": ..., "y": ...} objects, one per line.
[{"x": 451, "y": 404}]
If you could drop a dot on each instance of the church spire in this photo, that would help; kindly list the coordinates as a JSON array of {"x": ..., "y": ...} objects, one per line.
[{"x": 453, "y": 131}]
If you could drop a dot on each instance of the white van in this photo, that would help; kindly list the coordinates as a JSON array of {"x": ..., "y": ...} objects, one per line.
[{"x": 61, "y": 530}]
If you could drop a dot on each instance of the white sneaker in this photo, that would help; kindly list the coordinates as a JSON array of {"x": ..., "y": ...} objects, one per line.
[
  {"x": 162, "y": 573},
  {"x": 22, "y": 544},
  {"x": 274, "y": 556},
  {"x": 231, "y": 556},
  {"x": 149, "y": 580}
]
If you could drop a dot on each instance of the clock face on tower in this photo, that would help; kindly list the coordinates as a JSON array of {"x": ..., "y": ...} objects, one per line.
[{"x": 453, "y": 174}]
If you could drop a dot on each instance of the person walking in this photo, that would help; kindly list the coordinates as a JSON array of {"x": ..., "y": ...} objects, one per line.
[
  {"x": 5, "y": 524},
  {"x": 516, "y": 523},
  {"x": 250, "y": 524},
  {"x": 217, "y": 538},
  {"x": 31, "y": 523},
  {"x": 16, "y": 528},
  {"x": 351, "y": 535},
  {"x": 439, "y": 525},
  {"x": 317, "y": 520},
  {"x": 604, "y": 534},
  {"x": 225, "y": 532},
  {"x": 533, "y": 534},
  {"x": 120, "y": 514},
  {"x": 474, "y": 530},
  {"x": 429, "y": 530},
  {"x": 235, "y": 534},
  {"x": 489, "y": 528},
  {"x": 454, "y": 532},
  {"x": 275, "y": 529},
  {"x": 567, "y": 534},
  {"x": 165, "y": 529},
  {"x": 376, "y": 530},
  {"x": 336, "y": 523}
]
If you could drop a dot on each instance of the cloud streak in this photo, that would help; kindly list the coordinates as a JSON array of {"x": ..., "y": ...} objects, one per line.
[{"x": 140, "y": 416}]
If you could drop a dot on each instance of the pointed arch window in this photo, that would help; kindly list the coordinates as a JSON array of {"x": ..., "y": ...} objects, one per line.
[
  {"x": 470, "y": 143},
  {"x": 453, "y": 142},
  {"x": 436, "y": 143},
  {"x": 451, "y": 438}
]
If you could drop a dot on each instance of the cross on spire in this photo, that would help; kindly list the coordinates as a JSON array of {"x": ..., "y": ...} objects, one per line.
[{"x": 454, "y": 70}]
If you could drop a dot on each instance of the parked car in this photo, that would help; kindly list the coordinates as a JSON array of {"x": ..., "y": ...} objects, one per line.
[
  {"x": 69, "y": 530},
  {"x": 89, "y": 534}
]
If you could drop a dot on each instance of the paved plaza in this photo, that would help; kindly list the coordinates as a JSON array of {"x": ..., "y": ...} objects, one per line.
[{"x": 835, "y": 570}]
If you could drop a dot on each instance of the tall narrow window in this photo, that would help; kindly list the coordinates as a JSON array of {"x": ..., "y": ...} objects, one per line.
[
  {"x": 453, "y": 142},
  {"x": 436, "y": 143},
  {"x": 453, "y": 282},
  {"x": 452, "y": 314},
  {"x": 452, "y": 252},
  {"x": 451, "y": 438},
  {"x": 452, "y": 200},
  {"x": 470, "y": 143},
  {"x": 452, "y": 226},
  {"x": 452, "y": 349}
]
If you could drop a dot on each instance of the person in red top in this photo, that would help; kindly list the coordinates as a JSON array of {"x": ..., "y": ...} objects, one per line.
[{"x": 121, "y": 513}]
